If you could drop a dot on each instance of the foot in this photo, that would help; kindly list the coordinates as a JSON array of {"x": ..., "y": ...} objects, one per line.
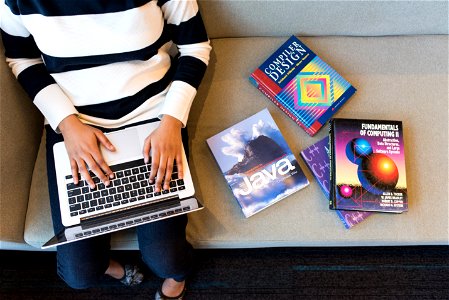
[
  {"x": 129, "y": 275},
  {"x": 115, "y": 270},
  {"x": 171, "y": 289},
  {"x": 132, "y": 276}
]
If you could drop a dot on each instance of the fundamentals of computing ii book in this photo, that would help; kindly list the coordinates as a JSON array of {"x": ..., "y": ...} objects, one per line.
[
  {"x": 257, "y": 163},
  {"x": 316, "y": 158},
  {"x": 367, "y": 165},
  {"x": 302, "y": 85}
]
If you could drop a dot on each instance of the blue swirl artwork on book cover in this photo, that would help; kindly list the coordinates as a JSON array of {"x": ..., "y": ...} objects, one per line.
[{"x": 257, "y": 163}]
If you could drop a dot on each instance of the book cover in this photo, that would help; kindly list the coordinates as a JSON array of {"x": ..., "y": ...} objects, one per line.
[
  {"x": 302, "y": 85},
  {"x": 367, "y": 165},
  {"x": 257, "y": 163},
  {"x": 316, "y": 158}
]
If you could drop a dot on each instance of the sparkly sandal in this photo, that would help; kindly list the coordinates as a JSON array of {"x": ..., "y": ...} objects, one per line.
[
  {"x": 132, "y": 276},
  {"x": 161, "y": 296}
]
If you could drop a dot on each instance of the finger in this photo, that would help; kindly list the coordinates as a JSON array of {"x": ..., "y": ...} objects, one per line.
[
  {"x": 101, "y": 169},
  {"x": 168, "y": 173},
  {"x": 85, "y": 173},
  {"x": 104, "y": 140},
  {"x": 99, "y": 157},
  {"x": 95, "y": 168},
  {"x": 74, "y": 168},
  {"x": 180, "y": 166},
  {"x": 160, "y": 174},
  {"x": 146, "y": 150},
  {"x": 154, "y": 166}
]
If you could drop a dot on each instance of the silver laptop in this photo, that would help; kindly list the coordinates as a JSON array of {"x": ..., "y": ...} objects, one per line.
[{"x": 130, "y": 200}]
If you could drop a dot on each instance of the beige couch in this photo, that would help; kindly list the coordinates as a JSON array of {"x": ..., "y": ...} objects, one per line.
[{"x": 394, "y": 52}]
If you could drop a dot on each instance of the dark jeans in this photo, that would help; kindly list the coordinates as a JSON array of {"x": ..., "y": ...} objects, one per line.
[{"x": 82, "y": 264}]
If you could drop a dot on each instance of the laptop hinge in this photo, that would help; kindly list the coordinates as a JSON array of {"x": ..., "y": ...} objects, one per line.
[{"x": 129, "y": 212}]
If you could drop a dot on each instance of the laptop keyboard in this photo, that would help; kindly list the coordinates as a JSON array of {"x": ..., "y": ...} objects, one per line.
[{"x": 130, "y": 185}]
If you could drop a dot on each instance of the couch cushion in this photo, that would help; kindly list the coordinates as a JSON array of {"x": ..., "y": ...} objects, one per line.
[
  {"x": 402, "y": 78},
  {"x": 20, "y": 126},
  {"x": 312, "y": 18}
]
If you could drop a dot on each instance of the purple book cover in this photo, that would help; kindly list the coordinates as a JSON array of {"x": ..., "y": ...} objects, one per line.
[
  {"x": 257, "y": 163},
  {"x": 368, "y": 165},
  {"x": 316, "y": 158}
]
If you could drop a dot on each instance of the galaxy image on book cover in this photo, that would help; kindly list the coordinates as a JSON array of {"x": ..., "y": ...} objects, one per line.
[
  {"x": 370, "y": 166},
  {"x": 257, "y": 163}
]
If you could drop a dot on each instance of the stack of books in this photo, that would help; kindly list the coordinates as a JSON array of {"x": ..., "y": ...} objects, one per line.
[{"x": 359, "y": 166}]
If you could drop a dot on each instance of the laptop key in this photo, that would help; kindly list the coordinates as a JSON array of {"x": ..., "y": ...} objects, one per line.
[
  {"x": 75, "y": 207},
  {"x": 73, "y": 193}
]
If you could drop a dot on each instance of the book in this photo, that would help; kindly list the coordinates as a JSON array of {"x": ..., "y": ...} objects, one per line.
[
  {"x": 257, "y": 163},
  {"x": 367, "y": 165},
  {"x": 302, "y": 85},
  {"x": 316, "y": 158}
]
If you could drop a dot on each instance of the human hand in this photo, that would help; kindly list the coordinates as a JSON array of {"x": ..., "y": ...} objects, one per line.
[
  {"x": 82, "y": 144},
  {"x": 165, "y": 144}
]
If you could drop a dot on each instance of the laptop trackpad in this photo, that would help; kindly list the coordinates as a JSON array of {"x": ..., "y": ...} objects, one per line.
[{"x": 126, "y": 143}]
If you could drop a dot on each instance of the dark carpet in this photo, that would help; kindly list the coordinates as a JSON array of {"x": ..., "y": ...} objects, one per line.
[{"x": 267, "y": 273}]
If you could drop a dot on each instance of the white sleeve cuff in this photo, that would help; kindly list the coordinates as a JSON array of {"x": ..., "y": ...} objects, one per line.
[
  {"x": 178, "y": 101},
  {"x": 54, "y": 105}
]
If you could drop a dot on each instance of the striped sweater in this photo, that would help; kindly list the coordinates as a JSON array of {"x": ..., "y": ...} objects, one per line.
[{"x": 108, "y": 61}]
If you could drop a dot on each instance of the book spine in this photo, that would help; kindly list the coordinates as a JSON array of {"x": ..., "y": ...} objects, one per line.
[
  {"x": 332, "y": 167},
  {"x": 343, "y": 220}
]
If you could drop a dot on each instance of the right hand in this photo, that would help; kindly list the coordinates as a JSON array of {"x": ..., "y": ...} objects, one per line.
[{"x": 82, "y": 144}]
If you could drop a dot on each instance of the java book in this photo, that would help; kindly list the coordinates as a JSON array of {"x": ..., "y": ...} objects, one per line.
[
  {"x": 367, "y": 165},
  {"x": 316, "y": 158},
  {"x": 257, "y": 163},
  {"x": 302, "y": 85}
]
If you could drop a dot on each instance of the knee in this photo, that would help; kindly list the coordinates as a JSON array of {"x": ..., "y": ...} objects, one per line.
[
  {"x": 79, "y": 274},
  {"x": 169, "y": 261},
  {"x": 79, "y": 278}
]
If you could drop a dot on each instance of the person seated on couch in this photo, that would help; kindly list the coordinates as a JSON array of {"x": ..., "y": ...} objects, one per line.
[{"x": 92, "y": 64}]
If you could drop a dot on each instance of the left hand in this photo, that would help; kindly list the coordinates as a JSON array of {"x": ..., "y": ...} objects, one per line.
[{"x": 165, "y": 144}]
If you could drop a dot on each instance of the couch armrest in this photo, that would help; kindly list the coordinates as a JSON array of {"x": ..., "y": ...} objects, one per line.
[{"x": 21, "y": 127}]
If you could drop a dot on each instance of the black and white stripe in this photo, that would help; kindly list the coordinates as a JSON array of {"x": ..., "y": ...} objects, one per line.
[{"x": 107, "y": 57}]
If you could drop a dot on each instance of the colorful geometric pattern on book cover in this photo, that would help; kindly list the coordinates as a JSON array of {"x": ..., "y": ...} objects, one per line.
[
  {"x": 369, "y": 165},
  {"x": 257, "y": 163},
  {"x": 305, "y": 87},
  {"x": 316, "y": 158},
  {"x": 313, "y": 91}
]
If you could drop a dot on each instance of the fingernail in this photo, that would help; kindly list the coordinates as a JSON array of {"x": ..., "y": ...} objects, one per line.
[{"x": 111, "y": 175}]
